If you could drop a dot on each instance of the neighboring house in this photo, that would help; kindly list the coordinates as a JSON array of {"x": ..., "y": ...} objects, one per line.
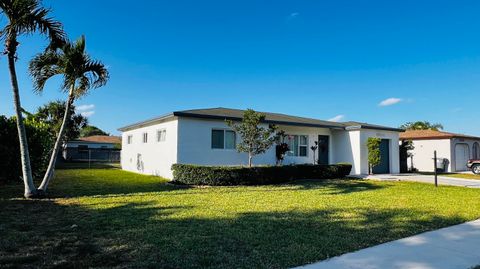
[
  {"x": 202, "y": 137},
  {"x": 456, "y": 149},
  {"x": 93, "y": 148}
]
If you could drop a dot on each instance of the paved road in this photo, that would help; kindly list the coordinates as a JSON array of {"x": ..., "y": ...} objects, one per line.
[
  {"x": 442, "y": 180},
  {"x": 455, "y": 247}
]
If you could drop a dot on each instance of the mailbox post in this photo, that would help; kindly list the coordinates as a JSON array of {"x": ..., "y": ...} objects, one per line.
[{"x": 435, "y": 167}]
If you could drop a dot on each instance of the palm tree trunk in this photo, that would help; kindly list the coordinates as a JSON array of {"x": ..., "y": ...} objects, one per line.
[
  {"x": 30, "y": 190},
  {"x": 58, "y": 143}
]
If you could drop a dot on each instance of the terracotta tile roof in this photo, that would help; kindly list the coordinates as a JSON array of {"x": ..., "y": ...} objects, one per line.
[
  {"x": 102, "y": 139},
  {"x": 431, "y": 134}
]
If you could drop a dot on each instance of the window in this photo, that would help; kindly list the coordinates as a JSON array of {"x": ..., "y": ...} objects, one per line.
[
  {"x": 298, "y": 145},
  {"x": 145, "y": 137},
  {"x": 82, "y": 148},
  {"x": 129, "y": 139},
  {"x": 303, "y": 147},
  {"x": 223, "y": 139},
  {"x": 161, "y": 135}
]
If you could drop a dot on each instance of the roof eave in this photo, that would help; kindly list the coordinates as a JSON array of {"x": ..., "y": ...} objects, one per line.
[
  {"x": 145, "y": 123},
  {"x": 91, "y": 142},
  {"x": 361, "y": 127},
  {"x": 215, "y": 117}
]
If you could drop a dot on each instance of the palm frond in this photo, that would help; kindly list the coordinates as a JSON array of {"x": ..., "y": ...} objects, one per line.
[
  {"x": 28, "y": 17},
  {"x": 78, "y": 69},
  {"x": 42, "y": 67},
  {"x": 47, "y": 25},
  {"x": 97, "y": 72},
  {"x": 82, "y": 87}
]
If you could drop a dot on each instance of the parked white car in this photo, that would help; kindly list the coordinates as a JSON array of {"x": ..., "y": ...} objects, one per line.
[{"x": 474, "y": 165}]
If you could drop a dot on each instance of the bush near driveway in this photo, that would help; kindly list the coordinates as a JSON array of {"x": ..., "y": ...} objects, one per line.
[{"x": 262, "y": 175}]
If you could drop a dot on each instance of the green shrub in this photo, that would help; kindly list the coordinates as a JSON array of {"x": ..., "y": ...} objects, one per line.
[
  {"x": 236, "y": 175},
  {"x": 40, "y": 141}
]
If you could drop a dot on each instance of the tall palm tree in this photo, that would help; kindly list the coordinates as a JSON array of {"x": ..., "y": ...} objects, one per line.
[
  {"x": 25, "y": 17},
  {"x": 80, "y": 74}
]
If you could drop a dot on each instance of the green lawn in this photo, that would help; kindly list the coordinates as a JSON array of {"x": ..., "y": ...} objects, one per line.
[
  {"x": 111, "y": 218},
  {"x": 456, "y": 175},
  {"x": 466, "y": 176}
]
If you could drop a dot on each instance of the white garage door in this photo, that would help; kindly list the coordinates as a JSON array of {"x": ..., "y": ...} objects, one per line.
[{"x": 461, "y": 157}]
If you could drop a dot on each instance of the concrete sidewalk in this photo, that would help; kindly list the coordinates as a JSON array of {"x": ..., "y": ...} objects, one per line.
[
  {"x": 442, "y": 180},
  {"x": 455, "y": 247}
]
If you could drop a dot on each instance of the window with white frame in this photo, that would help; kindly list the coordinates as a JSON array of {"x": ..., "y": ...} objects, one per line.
[
  {"x": 223, "y": 139},
  {"x": 161, "y": 135},
  {"x": 129, "y": 139},
  {"x": 298, "y": 145},
  {"x": 145, "y": 137}
]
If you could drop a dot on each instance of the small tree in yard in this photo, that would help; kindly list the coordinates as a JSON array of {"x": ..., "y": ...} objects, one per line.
[
  {"x": 255, "y": 138},
  {"x": 373, "y": 145}
]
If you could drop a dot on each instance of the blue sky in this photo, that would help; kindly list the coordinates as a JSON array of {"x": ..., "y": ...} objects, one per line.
[{"x": 320, "y": 59}]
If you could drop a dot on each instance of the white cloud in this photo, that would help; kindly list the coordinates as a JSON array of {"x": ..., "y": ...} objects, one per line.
[
  {"x": 85, "y": 107},
  {"x": 87, "y": 114},
  {"x": 390, "y": 101},
  {"x": 337, "y": 118},
  {"x": 85, "y": 110},
  {"x": 293, "y": 15}
]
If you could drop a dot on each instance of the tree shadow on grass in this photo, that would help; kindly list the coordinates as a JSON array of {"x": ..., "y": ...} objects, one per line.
[
  {"x": 334, "y": 186},
  {"x": 45, "y": 234},
  {"x": 148, "y": 235},
  {"x": 339, "y": 186},
  {"x": 70, "y": 185},
  {"x": 112, "y": 188}
]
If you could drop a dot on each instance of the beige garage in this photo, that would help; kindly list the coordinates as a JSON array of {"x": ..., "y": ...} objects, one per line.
[
  {"x": 462, "y": 155},
  {"x": 455, "y": 149}
]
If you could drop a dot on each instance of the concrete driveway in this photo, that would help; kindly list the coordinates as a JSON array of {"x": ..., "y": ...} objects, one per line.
[
  {"x": 454, "y": 247},
  {"x": 442, "y": 180}
]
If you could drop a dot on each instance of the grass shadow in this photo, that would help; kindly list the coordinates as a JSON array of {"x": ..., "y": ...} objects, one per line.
[
  {"x": 149, "y": 235},
  {"x": 339, "y": 186},
  {"x": 69, "y": 183}
]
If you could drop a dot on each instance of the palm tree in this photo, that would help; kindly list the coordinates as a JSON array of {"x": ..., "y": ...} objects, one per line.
[
  {"x": 25, "y": 17},
  {"x": 80, "y": 74},
  {"x": 422, "y": 125}
]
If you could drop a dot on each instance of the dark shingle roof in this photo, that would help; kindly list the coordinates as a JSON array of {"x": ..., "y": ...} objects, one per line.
[
  {"x": 362, "y": 125},
  {"x": 273, "y": 118}
]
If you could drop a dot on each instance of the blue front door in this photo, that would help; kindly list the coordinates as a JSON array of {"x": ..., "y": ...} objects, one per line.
[{"x": 384, "y": 166}]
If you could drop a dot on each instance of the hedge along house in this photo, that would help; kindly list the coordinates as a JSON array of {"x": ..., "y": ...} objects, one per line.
[
  {"x": 455, "y": 149},
  {"x": 202, "y": 137}
]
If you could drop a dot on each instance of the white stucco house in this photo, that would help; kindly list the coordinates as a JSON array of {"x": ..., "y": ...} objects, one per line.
[
  {"x": 456, "y": 149},
  {"x": 202, "y": 137}
]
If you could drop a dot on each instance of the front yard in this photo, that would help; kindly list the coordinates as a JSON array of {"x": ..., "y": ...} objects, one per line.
[{"x": 111, "y": 218}]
